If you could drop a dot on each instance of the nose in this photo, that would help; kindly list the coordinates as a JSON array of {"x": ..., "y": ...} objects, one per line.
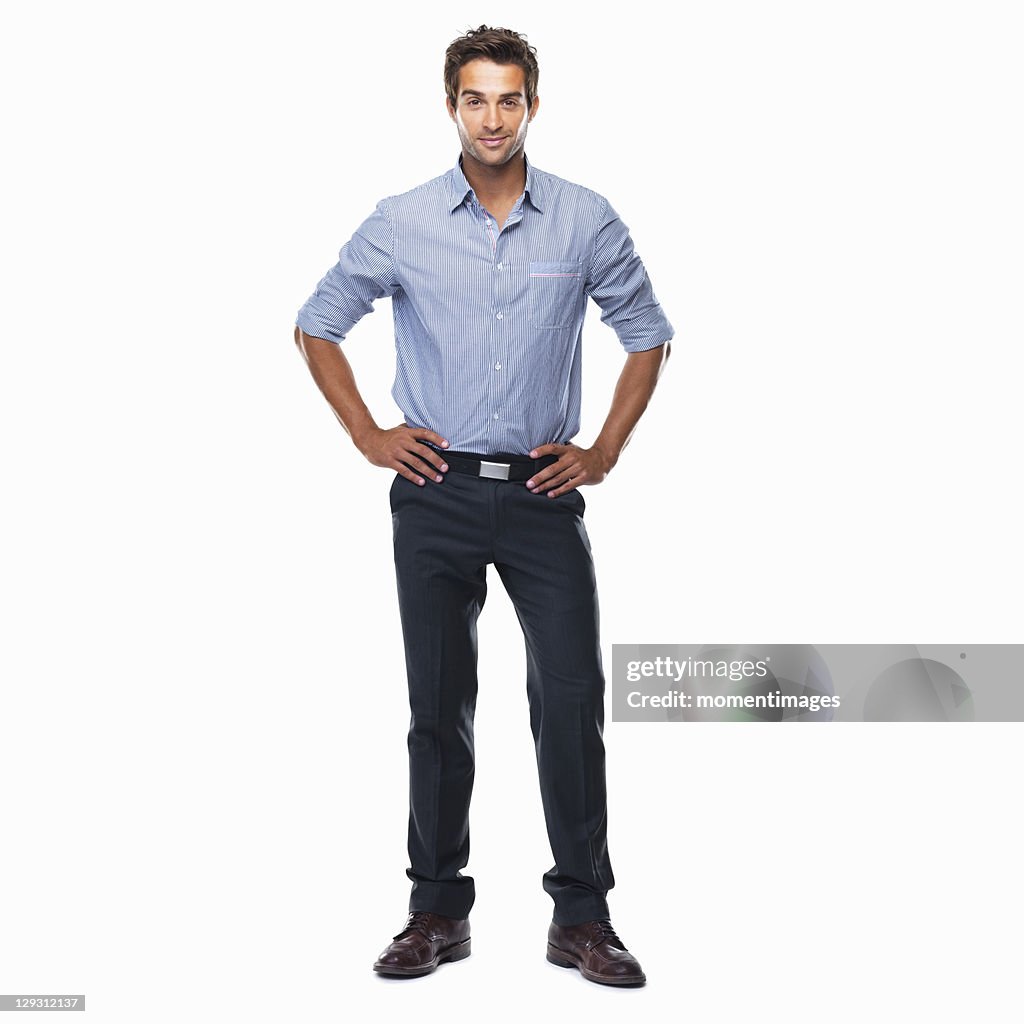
[{"x": 493, "y": 121}]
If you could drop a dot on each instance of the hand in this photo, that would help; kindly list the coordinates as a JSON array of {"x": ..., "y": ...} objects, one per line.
[
  {"x": 575, "y": 466},
  {"x": 392, "y": 448}
]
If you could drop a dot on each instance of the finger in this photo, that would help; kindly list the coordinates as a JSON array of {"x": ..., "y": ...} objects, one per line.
[
  {"x": 402, "y": 469},
  {"x": 422, "y": 454},
  {"x": 562, "y": 484},
  {"x": 420, "y": 462},
  {"x": 563, "y": 480},
  {"x": 543, "y": 477},
  {"x": 548, "y": 482},
  {"x": 547, "y": 449},
  {"x": 564, "y": 489},
  {"x": 422, "y": 434}
]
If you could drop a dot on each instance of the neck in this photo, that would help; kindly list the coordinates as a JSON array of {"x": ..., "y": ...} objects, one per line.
[{"x": 506, "y": 181}]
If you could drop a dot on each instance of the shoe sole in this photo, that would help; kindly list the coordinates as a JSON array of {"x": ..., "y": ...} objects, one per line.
[
  {"x": 457, "y": 952},
  {"x": 560, "y": 958}
]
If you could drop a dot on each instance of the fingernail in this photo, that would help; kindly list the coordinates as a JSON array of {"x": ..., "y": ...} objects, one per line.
[
  {"x": 444, "y": 467},
  {"x": 444, "y": 444},
  {"x": 530, "y": 483},
  {"x": 421, "y": 482},
  {"x": 439, "y": 478},
  {"x": 533, "y": 455}
]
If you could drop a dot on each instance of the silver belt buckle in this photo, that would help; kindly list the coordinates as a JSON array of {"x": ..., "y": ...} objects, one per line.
[{"x": 494, "y": 470}]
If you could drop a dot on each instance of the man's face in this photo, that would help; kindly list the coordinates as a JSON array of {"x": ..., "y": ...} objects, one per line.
[{"x": 491, "y": 112}]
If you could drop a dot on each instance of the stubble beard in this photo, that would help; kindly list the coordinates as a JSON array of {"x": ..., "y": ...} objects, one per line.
[{"x": 469, "y": 142}]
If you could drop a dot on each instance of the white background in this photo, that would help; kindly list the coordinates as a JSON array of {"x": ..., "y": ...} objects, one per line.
[{"x": 202, "y": 743}]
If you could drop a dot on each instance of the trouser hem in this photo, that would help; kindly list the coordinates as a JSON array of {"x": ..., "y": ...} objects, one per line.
[
  {"x": 439, "y": 900},
  {"x": 580, "y": 911}
]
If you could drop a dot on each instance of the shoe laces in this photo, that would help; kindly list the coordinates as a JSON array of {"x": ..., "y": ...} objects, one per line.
[
  {"x": 419, "y": 921},
  {"x": 603, "y": 931}
]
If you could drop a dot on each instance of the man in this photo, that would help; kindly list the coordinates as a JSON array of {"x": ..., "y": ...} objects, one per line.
[{"x": 489, "y": 267}]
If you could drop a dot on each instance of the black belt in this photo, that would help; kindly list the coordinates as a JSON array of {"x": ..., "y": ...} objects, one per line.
[{"x": 502, "y": 466}]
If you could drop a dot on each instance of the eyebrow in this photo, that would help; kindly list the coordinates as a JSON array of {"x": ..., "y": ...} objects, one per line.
[{"x": 504, "y": 95}]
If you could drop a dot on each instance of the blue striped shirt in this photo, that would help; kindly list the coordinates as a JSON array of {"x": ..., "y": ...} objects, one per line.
[{"x": 489, "y": 323}]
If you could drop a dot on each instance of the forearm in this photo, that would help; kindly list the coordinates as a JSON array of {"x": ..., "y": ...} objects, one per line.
[
  {"x": 334, "y": 377},
  {"x": 633, "y": 392}
]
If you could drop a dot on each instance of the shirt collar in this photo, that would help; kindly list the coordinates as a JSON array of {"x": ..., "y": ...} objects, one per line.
[{"x": 458, "y": 186}]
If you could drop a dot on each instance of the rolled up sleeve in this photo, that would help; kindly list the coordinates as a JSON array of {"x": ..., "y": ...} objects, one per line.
[
  {"x": 365, "y": 271},
  {"x": 617, "y": 281}
]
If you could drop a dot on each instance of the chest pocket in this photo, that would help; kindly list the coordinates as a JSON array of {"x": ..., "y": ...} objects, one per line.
[{"x": 554, "y": 291}]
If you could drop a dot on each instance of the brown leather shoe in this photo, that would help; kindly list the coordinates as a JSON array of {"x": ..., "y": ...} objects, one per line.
[
  {"x": 597, "y": 951},
  {"x": 426, "y": 941}
]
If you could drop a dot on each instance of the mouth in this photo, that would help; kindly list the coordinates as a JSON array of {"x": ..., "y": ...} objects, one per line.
[{"x": 494, "y": 142}]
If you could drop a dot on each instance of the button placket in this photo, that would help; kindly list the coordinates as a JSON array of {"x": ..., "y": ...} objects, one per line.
[
  {"x": 496, "y": 303},
  {"x": 499, "y": 297},
  {"x": 498, "y": 384}
]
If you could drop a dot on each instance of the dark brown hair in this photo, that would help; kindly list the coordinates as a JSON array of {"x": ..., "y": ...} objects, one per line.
[{"x": 500, "y": 45}]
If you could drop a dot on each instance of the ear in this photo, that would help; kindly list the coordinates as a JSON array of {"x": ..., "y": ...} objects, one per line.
[
  {"x": 448, "y": 106},
  {"x": 533, "y": 108}
]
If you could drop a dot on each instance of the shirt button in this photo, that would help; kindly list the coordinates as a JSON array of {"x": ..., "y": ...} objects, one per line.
[
  {"x": 495, "y": 415},
  {"x": 499, "y": 266},
  {"x": 487, "y": 222},
  {"x": 501, "y": 316},
  {"x": 497, "y": 366}
]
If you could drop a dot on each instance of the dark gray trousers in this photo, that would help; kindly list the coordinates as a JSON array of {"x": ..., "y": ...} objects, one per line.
[{"x": 445, "y": 536}]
